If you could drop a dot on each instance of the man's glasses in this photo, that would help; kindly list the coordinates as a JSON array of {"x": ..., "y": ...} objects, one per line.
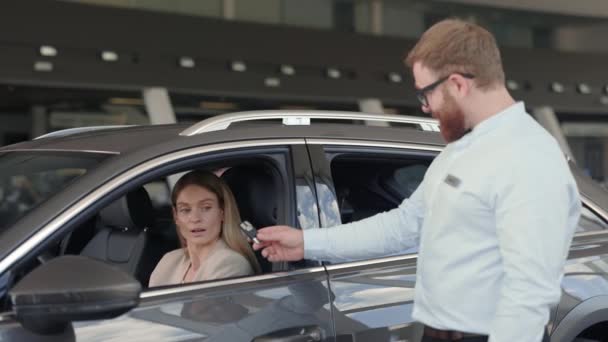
[{"x": 422, "y": 92}]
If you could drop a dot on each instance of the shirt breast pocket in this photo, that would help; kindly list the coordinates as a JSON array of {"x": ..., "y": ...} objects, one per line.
[{"x": 456, "y": 197}]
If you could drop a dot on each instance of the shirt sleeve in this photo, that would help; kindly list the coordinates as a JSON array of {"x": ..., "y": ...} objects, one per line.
[
  {"x": 383, "y": 234},
  {"x": 536, "y": 215}
]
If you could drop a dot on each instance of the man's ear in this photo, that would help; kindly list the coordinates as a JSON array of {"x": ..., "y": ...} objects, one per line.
[{"x": 461, "y": 86}]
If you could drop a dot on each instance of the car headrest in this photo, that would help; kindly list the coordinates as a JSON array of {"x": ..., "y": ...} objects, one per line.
[
  {"x": 255, "y": 194},
  {"x": 132, "y": 211},
  {"x": 404, "y": 181}
]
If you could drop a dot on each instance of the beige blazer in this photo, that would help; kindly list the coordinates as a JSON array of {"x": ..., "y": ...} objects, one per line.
[{"x": 222, "y": 262}]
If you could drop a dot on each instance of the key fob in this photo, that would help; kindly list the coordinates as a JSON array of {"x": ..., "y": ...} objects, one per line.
[{"x": 250, "y": 231}]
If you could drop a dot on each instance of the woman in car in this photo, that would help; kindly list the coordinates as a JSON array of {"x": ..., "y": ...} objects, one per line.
[{"x": 207, "y": 222}]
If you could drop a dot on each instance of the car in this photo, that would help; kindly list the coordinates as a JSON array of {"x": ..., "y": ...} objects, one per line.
[{"x": 85, "y": 216}]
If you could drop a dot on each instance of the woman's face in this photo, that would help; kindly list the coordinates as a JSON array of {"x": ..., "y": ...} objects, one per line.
[{"x": 198, "y": 215}]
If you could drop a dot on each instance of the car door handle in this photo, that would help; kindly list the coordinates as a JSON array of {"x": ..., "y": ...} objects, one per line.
[{"x": 311, "y": 333}]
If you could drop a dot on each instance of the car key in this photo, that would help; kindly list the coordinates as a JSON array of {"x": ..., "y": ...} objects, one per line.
[{"x": 250, "y": 231}]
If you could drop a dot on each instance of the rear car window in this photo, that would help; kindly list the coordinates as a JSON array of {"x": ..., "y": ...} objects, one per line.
[
  {"x": 378, "y": 185},
  {"x": 29, "y": 178}
]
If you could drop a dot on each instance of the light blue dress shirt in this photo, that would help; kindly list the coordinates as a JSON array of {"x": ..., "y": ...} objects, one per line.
[{"x": 493, "y": 218}]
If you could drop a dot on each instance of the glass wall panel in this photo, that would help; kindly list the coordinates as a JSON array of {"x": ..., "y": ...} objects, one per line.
[
  {"x": 205, "y": 8},
  {"x": 30, "y": 111},
  {"x": 513, "y": 27},
  {"x": 587, "y": 136},
  {"x": 309, "y": 13},
  {"x": 402, "y": 19},
  {"x": 261, "y": 11}
]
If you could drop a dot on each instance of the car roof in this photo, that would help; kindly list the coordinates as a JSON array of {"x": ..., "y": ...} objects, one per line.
[
  {"x": 120, "y": 140},
  {"x": 114, "y": 140}
]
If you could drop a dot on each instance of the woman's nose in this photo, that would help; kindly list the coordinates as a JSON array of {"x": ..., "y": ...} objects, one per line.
[{"x": 196, "y": 215}]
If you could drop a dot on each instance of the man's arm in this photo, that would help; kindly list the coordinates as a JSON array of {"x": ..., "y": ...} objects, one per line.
[
  {"x": 382, "y": 234},
  {"x": 536, "y": 215}
]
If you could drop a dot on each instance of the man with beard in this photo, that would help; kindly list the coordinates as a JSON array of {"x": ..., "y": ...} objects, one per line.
[{"x": 493, "y": 217}]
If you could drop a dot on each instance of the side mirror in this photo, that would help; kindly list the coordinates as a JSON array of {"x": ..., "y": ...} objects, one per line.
[{"x": 72, "y": 288}]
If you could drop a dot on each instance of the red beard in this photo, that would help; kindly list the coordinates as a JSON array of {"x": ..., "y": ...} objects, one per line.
[{"x": 451, "y": 119}]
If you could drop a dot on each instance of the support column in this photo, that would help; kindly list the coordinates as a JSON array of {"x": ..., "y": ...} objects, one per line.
[
  {"x": 160, "y": 111},
  {"x": 546, "y": 117},
  {"x": 376, "y": 19},
  {"x": 39, "y": 121},
  {"x": 228, "y": 9},
  {"x": 372, "y": 106},
  {"x": 158, "y": 106}
]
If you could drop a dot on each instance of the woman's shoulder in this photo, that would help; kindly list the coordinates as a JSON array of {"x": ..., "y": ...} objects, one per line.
[
  {"x": 174, "y": 256},
  {"x": 225, "y": 256},
  {"x": 225, "y": 252},
  {"x": 164, "y": 272}
]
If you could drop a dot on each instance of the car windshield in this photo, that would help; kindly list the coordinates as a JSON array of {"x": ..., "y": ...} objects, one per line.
[{"x": 29, "y": 178}]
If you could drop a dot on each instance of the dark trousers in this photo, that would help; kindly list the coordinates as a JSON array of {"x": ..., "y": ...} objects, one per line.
[{"x": 470, "y": 339}]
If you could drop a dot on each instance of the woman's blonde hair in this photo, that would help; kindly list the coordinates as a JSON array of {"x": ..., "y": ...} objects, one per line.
[{"x": 230, "y": 233}]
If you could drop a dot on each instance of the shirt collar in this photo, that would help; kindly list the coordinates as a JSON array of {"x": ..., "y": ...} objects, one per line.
[
  {"x": 488, "y": 125},
  {"x": 498, "y": 119}
]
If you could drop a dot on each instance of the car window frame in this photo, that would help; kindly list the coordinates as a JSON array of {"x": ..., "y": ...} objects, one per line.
[
  {"x": 145, "y": 172},
  {"x": 320, "y": 161},
  {"x": 323, "y": 156}
]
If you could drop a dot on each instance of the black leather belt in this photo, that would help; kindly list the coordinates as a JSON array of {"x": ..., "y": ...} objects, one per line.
[{"x": 448, "y": 335}]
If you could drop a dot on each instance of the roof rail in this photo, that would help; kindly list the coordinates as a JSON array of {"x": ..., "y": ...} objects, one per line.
[
  {"x": 302, "y": 117},
  {"x": 76, "y": 130}
]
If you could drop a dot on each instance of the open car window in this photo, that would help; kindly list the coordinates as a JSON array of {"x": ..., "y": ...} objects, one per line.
[{"x": 137, "y": 229}]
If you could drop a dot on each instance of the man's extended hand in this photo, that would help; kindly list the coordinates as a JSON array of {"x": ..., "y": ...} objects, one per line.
[{"x": 280, "y": 243}]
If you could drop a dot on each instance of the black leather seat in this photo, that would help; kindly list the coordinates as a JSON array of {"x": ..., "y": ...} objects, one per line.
[
  {"x": 255, "y": 192},
  {"x": 122, "y": 238},
  {"x": 404, "y": 181}
]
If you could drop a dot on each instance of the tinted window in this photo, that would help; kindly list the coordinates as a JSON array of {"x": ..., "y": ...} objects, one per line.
[
  {"x": 369, "y": 185},
  {"x": 29, "y": 178}
]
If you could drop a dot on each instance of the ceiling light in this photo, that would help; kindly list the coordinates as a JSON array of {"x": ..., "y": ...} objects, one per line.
[
  {"x": 512, "y": 85},
  {"x": 48, "y": 51},
  {"x": 333, "y": 73},
  {"x": 394, "y": 77},
  {"x": 186, "y": 62},
  {"x": 583, "y": 88},
  {"x": 44, "y": 66},
  {"x": 272, "y": 82},
  {"x": 288, "y": 70},
  {"x": 557, "y": 87},
  {"x": 239, "y": 66},
  {"x": 109, "y": 56}
]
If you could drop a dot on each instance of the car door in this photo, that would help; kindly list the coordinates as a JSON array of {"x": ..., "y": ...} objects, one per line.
[
  {"x": 373, "y": 299},
  {"x": 291, "y": 302}
]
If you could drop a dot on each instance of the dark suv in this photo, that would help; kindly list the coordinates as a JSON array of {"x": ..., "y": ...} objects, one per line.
[{"x": 85, "y": 216}]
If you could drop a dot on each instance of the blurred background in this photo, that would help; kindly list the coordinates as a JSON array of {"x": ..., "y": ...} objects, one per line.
[{"x": 81, "y": 63}]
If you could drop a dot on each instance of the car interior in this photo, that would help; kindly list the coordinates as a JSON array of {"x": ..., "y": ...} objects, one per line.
[{"x": 380, "y": 184}]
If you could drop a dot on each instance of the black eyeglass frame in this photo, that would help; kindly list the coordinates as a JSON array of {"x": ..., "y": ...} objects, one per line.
[{"x": 421, "y": 93}]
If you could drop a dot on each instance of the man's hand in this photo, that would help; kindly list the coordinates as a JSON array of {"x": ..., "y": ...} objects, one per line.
[{"x": 280, "y": 243}]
